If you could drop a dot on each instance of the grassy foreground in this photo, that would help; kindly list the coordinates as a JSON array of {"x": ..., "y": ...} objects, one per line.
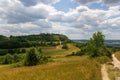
[
  {"x": 62, "y": 68},
  {"x": 69, "y": 68}
]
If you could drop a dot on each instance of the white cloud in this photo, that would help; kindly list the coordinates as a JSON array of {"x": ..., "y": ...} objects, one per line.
[
  {"x": 17, "y": 13},
  {"x": 106, "y": 2},
  {"x": 89, "y": 20},
  {"x": 111, "y": 2},
  {"x": 18, "y": 19},
  {"x": 34, "y": 2},
  {"x": 85, "y": 1}
]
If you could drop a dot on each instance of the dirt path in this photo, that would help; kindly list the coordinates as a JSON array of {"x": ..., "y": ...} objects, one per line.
[
  {"x": 104, "y": 73},
  {"x": 116, "y": 62}
]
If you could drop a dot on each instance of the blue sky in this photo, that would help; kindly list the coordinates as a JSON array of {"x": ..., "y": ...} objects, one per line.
[
  {"x": 98, "y": 6},
  {"x": 65, "y": 5},
  {"x": 78, "y": 19}
]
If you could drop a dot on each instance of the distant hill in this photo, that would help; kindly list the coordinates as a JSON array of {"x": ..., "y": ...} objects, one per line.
[
  {"x": 41, "y": 37},
  {"x": 31, "y": 40},
  {"x": 109, "y": 43}
]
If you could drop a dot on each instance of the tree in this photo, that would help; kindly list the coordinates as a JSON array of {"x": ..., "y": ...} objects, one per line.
[
  {"x": 95, "y": 44},
  {"x": 31, "y": 58},
  {"x": 98, "y": 40}
]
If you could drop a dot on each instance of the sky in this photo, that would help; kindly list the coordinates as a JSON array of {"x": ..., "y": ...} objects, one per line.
[{"x": 78, "y": 19}]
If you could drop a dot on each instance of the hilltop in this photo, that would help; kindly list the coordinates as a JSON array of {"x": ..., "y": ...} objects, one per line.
[{"x": 31, "y": 40}]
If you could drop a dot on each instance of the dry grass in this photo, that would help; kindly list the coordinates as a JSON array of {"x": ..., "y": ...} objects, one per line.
[
  {"x": 113, "y": 73},
  {"x": 57, "y": 52},
  {"x": 117, "y": 55},
  {"x": 63, "y": 68},
  {"x": 70, "y": 68}
]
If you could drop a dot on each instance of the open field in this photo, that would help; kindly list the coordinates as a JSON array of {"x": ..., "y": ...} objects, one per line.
[
  {"x": 67, "y": 68},
  {"x": 62, "y": 68},
  {"x": 57, "y": 51}
]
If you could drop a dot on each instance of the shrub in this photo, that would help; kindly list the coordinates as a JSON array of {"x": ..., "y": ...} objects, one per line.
[
  {"x": 7, "y": 59},
  {"x": 80, "y": 53},
  {"x": 64, "y": 46},
  {"x": 40, "y": 50},
  {"x": 93, "y": 52},
  {"x": 15, "y": 58},
  {"x": 19, "y": 64},
  {"x": 23, "y": 51},
  {"x": 1, "y": 59},
  {"x": 31, "y": 58}
]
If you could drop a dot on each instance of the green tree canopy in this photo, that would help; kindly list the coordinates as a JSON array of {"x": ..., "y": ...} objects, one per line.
[
  {"x": 97, "y": 40},
  {"x": 95, "y": 46},
  {"x": 31, "y": 58}
]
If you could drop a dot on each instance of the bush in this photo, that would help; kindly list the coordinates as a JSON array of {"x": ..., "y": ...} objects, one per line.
[
  {"x": 7, "y": 59},
  {"x": 23, "y": 51},
  {"x": 1, "y": 59},
  {"x": 40, "y": 50},
  {"x": 93, "y": 52},
  {"x": 19, "y": 64},
  {"x": 80, "y": 53},
  {"x": 65, "y": 46},
  {"x": 15, "y": 58},
  {"x": 31, "y": 58}
]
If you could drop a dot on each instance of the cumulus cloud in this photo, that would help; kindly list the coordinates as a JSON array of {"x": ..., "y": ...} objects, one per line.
[
  {"x": 15, "y": 12},
  {"x": 43, "y": 23},
  {"x": 111, "y": 2},
  {"x": 85, "y": 1},
  {"x": 88, "y": 20},
  {"x": 34, "y": 2},
  {"x": 19, "y": 18},
  {"x": 106, "y": 2}
]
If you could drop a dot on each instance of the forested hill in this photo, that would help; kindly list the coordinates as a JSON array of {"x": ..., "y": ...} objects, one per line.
[
  {"x": 41, "y": 37},
  {"x": 31, "y": 40}
]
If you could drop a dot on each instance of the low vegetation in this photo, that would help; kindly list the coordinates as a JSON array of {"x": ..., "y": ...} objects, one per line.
[
  {"x": 95, "y": 48},
  {"x": 112, "y": 73},
  {"x": 66, "y": 68},
  {"x": 117, "y": 55},
  {"x": 31, "y": 58},
  {"x": 9, "y": 59},
  {"x": 64, "y": 60}
]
